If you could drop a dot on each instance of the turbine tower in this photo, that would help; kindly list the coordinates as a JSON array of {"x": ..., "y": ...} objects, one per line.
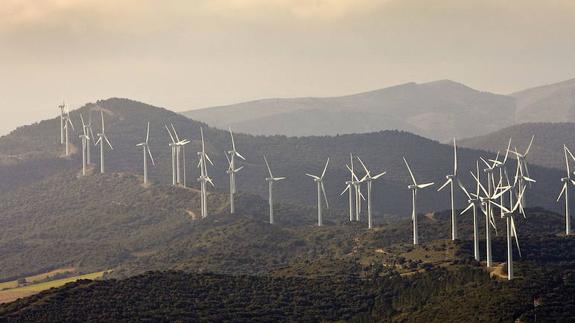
[
  {"x": 450, "y": 181},
  {"x": 67, "y": 123},
  {"x": 146, "y": 149},
  {"x": 232, "y": 170},
  {"x": 62, "y": 108},
  {"x": 567, "y": 181},
  {"x": 204, "y": 178},
  {"x": 512, "y": 231},
  {"x": 488, "y": 201},
  {"x": 320, "y": 192},
  {"x": 271, "y": 180},
  {"x": 349, "y": 187},
  {"x": 101, "y": 139},
  {"x": 180, "y": 147},
  {"x": 474, "y": 202},
  {"x": 414, "y": 187},
  {"x": 173, "y": 153},
  {"x": 369, "y": 179},
  {"x": 90, "y": 132},
  {"x": 85, "y": 137}
]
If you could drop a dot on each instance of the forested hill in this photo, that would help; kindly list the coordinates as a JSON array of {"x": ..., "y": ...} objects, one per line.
[{"x": 33, "y": 152}]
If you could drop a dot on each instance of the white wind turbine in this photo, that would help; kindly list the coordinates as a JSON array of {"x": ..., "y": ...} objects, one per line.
[
  {"x": 414, "y": 187},
  {"x": 369, "y": 179},
  {"x": 62, "y": 108},
  {"x": 524, "y": 169},
  {"x": 173, "y": 153},
  {"x": 232, "y": 170},
  {"x": 146, "y": 149},
  {"x": 349, "y": 187},
  {"x": 180, "y": 156},
  {"x": 204, "y": 178},
  {"x": 320, "y": 192},
  {"x": 271, "y": 180},
  {"x": 512, "y": 231},
  {"x": 67, "y": 123},
  {"x": 567, "y": 182},
  {"x": 489, "y": 200},
  {"x": 101, "y": 139},
  {"x": 450, "y": 181},
  {"x": 85, "y": 137},
  {"x": 474, "y": 202},
  {"x": 90, "y": 132}
]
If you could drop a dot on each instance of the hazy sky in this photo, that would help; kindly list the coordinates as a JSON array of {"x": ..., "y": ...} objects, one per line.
[{"x": 185, "y": 54}]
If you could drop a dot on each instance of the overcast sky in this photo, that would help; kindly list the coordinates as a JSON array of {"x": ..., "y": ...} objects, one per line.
[{"x": 186, "y": 54}]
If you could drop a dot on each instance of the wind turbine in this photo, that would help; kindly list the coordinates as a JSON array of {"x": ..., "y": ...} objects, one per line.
[
  {"x": 414, "y": 187},
  {"x": 204, "y": 178},
  {"x": 489, "y": 200},
  {"x": 67, "y": 123},
  {"x": 512, "y": 231},
  {"x": 62, "y": 108},
  {"x": 271, "y": 180},
  {"x": 320, "y": 190},
  {"x": 369, "y": 179},
  {"x": 146, "y": 149},
  {"x": 524, "y": 169},
  {"x": 180, "y": 156},
  {"x": 85, "y": 137},
  {"x": 567, "y": 181},
  {"x": 173, "y": 152},
  {"x": 101, "y": 138},
  {"x": 474, "y": 202},
  {"x": 90, "y": 132},
  {"x": 349, "y": 187},
  {"x": 232, "y": 170},
  {"x": 450, "y": 181}
]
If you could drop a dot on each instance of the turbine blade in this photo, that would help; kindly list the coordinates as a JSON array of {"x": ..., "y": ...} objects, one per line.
[
  {"x": 464, "y": 190},
  {"x": 514, "y": 231},
  {"x": 325, "y": 168},
  {"x": 312, "y": 176},
  {"x": 562, "y": 191},
  {"x": 363, "y": 165},
  {"x": 454, "y": 157},
  {"x": 108, "y": 141},
  {"x": 529, "y": 147},
  {"x": 239, "y": 155},
  {"x": 480, "y": 185},
  {"x": 507, "y": 151},
  {"x": 324, "y": 195},
  {"x": 170, "y": 132},
  {"x": 566, "y": 161},
  {"x": 466, "y": 209},
  {"x": 103, "y": 124},
  {"x": 233, "y": 142},
  {"x": 151, "y": 157},
  {"x": 425, "y": 185},
  {"x": 175, "y": 132},
  {"x": 378, "y": 175},
  {"x": 148, "y": 133},
  {"x": 444, "y": 185},
  {"x": 347, "y": 188},
  {"x": 410, "y": 172},
  {"x": 268, "y": 166}
]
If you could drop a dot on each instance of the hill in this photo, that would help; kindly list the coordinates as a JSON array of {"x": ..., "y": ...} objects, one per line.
[
  {"x": 438, "y": 110},
  {"x": 547, "y": 149},
  {"x": 289, "y": 156},
  {"x": 462, "y": 291},
  {"x": 547, "y": 103}
]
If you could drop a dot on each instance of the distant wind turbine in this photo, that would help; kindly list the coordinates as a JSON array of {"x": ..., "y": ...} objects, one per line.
[
  {"x": 414, "y": 187},
  {"x": 101, "y": 139},
  {"x": 369, "y": 179},
  {"x": 173, "y": 153},
  {"x": 524, "y": 169},
  {"x": 320, "y": 191},
  {"x": 450, "y": 181},
  {"x": 507, "y": 214},
  {"x": 567, "y": 182},
  {"x": 146, "y": 149},
  {"x": 67, "y": 123},
  {"x": 62, "y": 108},
  {"x": 271, "y": 180},
  {"x": 349, "y": 187},
  {"x": 180, "y": 157},
  {"x": 232, "y": 170},
  {"x": 204, "y": 178},
  {"x": 85, "y": 137},
  {"x": 474, "y": 202},
  {"x": 90, "y": 132}
]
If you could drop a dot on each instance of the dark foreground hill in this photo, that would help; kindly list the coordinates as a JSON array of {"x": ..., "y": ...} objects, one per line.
[
  {"x": 32, "y": 153},
  {"x": 460, "y": 292}
]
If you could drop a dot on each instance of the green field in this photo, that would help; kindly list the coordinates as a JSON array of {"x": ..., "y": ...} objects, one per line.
[{"x": 12, "y": 294}]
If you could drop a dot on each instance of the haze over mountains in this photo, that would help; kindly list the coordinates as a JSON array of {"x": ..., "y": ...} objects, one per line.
[{"x": 438, "y": 110}]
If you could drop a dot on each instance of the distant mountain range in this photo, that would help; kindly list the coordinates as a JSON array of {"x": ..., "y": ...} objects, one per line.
[
  {"x": 547, "y": 149},
  {"x": 438, "y": 110}
]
